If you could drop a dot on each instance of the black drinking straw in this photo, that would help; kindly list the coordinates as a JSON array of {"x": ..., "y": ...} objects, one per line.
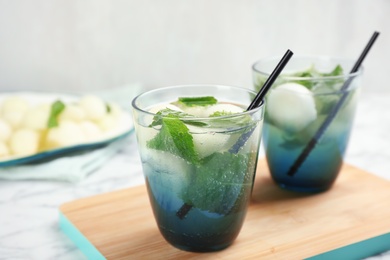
[
  {"x": 271, "y": 79},
  {"x": 314, "y": 140},
  {"x": 257, "y": 101}
]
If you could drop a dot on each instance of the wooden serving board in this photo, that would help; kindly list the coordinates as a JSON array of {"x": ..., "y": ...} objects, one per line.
[{"x": 350, "y": 221}]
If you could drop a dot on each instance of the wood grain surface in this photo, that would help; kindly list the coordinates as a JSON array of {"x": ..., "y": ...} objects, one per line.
[{"x": 279, "y": 224}]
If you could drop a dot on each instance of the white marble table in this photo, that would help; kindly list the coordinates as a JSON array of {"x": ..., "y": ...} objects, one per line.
[{"x": 29, "y": 209}]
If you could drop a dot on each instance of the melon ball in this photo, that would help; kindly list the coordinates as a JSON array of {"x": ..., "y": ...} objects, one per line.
[
  {"x": 91, "y": 131},
  {"x": 5, "y": 131},
  {"x": 4, "y": 150},
  {"x": 228, "y": 108},
  {"x": 197, "y": 111},
  {"x": 36, "y": 118},
  {"x": 14, "y": 104},
  {"x": 13, "y": 109},
  {"x": 291, "y": 106},
  {"x": 67, "y": 133},
  {"x": 24, "y": 142},
  {"x": 206, "y": 141},
  {"x": 72, "y": 112},
  {"x": 94, "y": 107},
  {"x": 107, "y": 123},
  {"x": 115, "y": 110}
]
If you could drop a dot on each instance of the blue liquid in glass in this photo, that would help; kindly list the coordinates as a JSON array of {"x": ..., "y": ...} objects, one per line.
[
  {"x": 199, "y": 230},
  {"x": 320, "y": 168}
]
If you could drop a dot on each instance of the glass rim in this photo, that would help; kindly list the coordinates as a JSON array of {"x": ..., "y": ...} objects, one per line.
[
  {"x": 319, "y": 57},
  {"x": 168, "y": 88}
]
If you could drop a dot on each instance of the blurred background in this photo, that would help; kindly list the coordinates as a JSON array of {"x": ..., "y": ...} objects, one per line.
[{"x": 73, "y": 45}]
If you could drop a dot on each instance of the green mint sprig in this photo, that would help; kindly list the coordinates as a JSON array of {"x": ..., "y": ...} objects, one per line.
[
  {"x": 174, "y": 136},
  {"x": 219, "y": 182},
  {"x": 56, "y": 109},
  {"x": 197, "y": 101}
]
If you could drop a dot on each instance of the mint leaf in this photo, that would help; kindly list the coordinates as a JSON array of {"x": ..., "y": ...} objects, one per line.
[
  {"x": 198, "y": 101},
  {"x": 167, "y": 112},
  {"x": 224, "y": 121},
  {"x": 338, "y": 71},
  {"x": 312, "y": 72},
  {"x": 174, "y": 137},
  {"x": 108, "y": 108},
  {"x": 56, "y": 108},
  {"x": 221, "y": 113},
  {"x": 219, "y": 182}
]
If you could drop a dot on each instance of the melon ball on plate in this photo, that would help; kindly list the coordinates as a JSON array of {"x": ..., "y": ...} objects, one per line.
[
  {"x": 36, "y": 118},
  {"x": 93, "y": 106},
  {"x": 24, "y": 142},
  {"x": 91, "y": 131},
  {"x": 4, "y": 150},
  {"x": 67, "y": 133},
  {"x": 72, "y": 112},
  {"x": 114, "y": 109},
  {"x": 108, "y": 123},
  {"x": 291, "y": 106},
  {"x": 14, "y": 104},
  {"x": 13, "y": 109},
  {"x": 5, "y": 130}
]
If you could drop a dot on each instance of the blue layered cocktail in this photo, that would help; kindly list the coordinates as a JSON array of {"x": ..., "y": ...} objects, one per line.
[
  {"x": 199, "y": 151},
  {"x": 308, "y": 103}
]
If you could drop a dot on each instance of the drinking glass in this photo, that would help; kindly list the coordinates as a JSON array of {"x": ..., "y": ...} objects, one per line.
[
  {"x": 199, "y": 170},
  {"x": 308, "y": 119}
]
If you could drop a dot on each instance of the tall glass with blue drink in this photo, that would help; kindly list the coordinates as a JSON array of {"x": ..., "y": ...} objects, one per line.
[
  {"x": 306, "y": 99},
  {"x": 199, "y": 150}
]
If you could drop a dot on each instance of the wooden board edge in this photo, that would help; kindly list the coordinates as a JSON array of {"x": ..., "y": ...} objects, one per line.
[
  {"x": 363, "y": 249},
  {"x": 86, "y": 247}
]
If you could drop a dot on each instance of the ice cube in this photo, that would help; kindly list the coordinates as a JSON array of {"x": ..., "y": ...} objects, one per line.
[
  {"x": 168, "y": 175},
  {"x": 291, "y": 106}
]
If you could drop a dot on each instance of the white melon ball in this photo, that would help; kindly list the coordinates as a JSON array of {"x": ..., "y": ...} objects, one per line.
[
  {"x": 14, "y": 104},
  {"x": 36, "y": 118},
  {"x": 13, "y": 118},
  {"x": 72, "y": 112},
  {"x": 24, "y": 142},
  {"x": 5, "y": 130},
  {"x": 108, "y": 123},
  {"x": 115, "y": 110},
  {"x": 197, "y": 111},
  {"x": 4, "y": 150},
  {"x": 94, "y": 107},
  {"x": 291, "y": 106},
  {"x": 13, "y": 109},
  {"x": 91, "y": 131},
  {"x": 227, "y": 108},
  {"x": 206, "y": 141},
  {"x": 156, "y": 109},
  {"x": 66, "y": 134}
]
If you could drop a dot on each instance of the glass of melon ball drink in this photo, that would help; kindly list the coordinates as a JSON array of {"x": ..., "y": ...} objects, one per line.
[
  {"x": 199, "y": 149},
  {"x": 308, "y": 119}
]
